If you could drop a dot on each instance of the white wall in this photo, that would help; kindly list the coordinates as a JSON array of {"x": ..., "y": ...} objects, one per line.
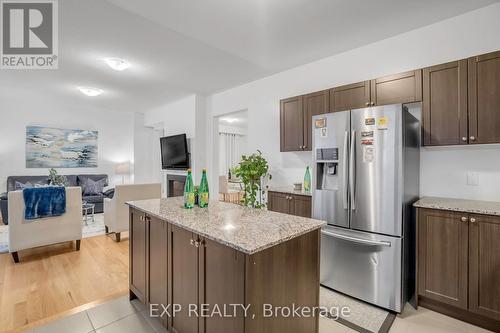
[
  {"x": 460, "y": 37},
  {"x": 115, "y": 134},
  {"x": 177, "y": 117},
  {"x": 187, "y": 115},
  {"x": 146, "y": 148}
]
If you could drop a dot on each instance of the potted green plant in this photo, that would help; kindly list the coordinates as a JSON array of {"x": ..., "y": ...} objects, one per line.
[{"x": 252, "y": 170}]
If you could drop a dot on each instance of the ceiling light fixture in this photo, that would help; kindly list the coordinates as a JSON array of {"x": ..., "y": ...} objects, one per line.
[
  {"x": 90, "y": 91},
  {"x": 117, "y": 64}
]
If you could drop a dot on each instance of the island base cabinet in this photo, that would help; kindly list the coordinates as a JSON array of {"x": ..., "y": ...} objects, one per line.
[
  {"x": 183, "y": 279},
  {"x": 222, "y": 282},
  {"x": 281, "y": 276},
  {"x": 157, "y": 263},
  {"x": 137, "y": 248},
  {"x": 172, "y": 266}
]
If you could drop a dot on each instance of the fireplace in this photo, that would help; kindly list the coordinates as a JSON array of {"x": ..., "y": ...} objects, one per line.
[{"x": 175, "y": 185}]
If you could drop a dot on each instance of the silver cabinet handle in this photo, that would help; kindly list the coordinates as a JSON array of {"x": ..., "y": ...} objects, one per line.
[
  {"x": 464, "y": 139},
  {"x": 464, "y": 219},
  {"x": 367, "y": 103},
  {"x": 142, "y": 218},
  {"x": 472, "y": 220},
  {"x": 197, "y": 244},
  {"x": 352, "y": 171},
  {"x": 345, "y": 191},
  {"x": 191, "y": 241},
  {"x": 356, "y": 239},
  {"x": 472, "y": 138}
]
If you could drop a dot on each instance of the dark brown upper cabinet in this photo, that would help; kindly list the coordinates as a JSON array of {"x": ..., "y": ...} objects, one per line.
[
  {"x": 444, "y": 108},
  {"x": 314, "y": 104},
  {"x": 484, "y": 98},
  {"x": 292, "y": 124},
  {"x": 399, "y": 88},
  {"x": 351, "y": 96}
]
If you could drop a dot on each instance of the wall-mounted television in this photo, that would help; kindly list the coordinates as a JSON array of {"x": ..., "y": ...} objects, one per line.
[{"x": 174, "y": 152}]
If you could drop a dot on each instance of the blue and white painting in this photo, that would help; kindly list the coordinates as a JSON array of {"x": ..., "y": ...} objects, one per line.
[{"x": 60, "y": 148}]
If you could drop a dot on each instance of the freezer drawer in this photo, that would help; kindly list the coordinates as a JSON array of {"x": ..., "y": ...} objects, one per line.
[{"x": 363, "y": 265}]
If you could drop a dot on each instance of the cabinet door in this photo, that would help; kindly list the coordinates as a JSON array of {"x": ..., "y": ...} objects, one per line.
[
  {"x": 138, "y": 254},
  {"x": 484, "y": 98},
  {"x": 352, "y": 96},
  {"x": 301, "y": 206},
  {"x": 278, "y": 202},
  {"x": 158, "y": 254},
  {"x": 443, "y": 256},
  {"x": 484, "y": 265},
  {"x": 314, "y": 104},
  {"x": 184, "y": 279},
  {"x": 399, "y": 88},
  {"x": 292, "y": 124},
  {"x": 222, "y": 282},
  {"x": 445, "y": 104}
]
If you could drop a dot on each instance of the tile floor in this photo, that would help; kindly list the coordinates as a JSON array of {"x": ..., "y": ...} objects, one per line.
[{"x": 122, "y": 316}]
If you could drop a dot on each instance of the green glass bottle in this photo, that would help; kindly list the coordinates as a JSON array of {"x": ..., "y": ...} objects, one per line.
[
  {"x": 189, "y": 191},
  {"x": 307, "y": 180},
  {"x": 203, "y": 195}
]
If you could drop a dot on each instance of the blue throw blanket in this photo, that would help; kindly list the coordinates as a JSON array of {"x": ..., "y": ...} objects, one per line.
[{"x": 42, "y": 202}]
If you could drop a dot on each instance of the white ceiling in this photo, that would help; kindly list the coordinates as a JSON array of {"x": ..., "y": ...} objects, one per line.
[{"x": 177, "y": 48}]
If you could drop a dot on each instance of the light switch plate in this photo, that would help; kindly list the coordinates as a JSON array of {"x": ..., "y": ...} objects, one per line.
[{"x": 472, "y": 178}]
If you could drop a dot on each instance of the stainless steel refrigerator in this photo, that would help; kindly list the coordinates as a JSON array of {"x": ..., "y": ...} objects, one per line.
[{"x": 365, "y": 178}]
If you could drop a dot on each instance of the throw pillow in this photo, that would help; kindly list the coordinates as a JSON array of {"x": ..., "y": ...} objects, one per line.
[
  {"x": 20, "y": 186},
  {"x": 91, "y": 187}
]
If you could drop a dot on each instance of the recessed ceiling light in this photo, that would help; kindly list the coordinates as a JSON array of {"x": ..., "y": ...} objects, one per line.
[
  {"x": 117, "y": 64},
  {"x": 90, "y": 91}
]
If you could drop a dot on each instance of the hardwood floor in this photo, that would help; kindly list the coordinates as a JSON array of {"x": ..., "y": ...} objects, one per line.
[{"x": 52, "y": 280}]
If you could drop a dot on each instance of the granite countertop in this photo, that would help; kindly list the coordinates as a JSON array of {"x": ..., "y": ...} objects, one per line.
[
  {"x": 245, "y": 229},
  {"x": 289, "y": 190},
  {"x": 460, "y": 205}
]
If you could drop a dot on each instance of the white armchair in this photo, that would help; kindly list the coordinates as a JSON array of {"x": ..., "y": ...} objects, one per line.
[
  {"x": 116, "y": 211},
  {"x": 46, "y": 231}
]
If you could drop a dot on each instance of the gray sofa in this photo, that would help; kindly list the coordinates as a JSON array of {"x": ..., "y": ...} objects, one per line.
[{"x": 73, "y": 180}]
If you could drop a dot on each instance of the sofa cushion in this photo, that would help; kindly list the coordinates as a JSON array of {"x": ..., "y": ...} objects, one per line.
[
  {"x": 91, "y": 187},
  {"x": 93, "y": 198},
  {"x": 34, "y": 180},
  {"x": 21, "y": 186},
  {"x": 94, "y": 177}
]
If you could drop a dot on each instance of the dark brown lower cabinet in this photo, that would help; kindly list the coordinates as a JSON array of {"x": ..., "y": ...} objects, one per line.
[
  {"x": 184, "y": 279},
  {"x": 171, "y": 265},
  {"x": 137, "y": 229},
  {"x": 443, "y": 257},
  {"x": 484, "y": 265},
  {"x": 157, "y": 263},
  {"x": 459, "y": 265},
  {"x": 222, "y": 282},
  {"x": 292, "y": 204}
]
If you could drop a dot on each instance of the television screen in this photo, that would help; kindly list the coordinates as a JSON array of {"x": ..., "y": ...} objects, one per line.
[{"x": 174, "y": 152}]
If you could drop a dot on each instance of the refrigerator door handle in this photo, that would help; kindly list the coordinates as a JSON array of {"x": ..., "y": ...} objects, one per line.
[
  {"x": 352, "y": 171},
  {"x": 355, "y": 239},
  {"x": 345, "y": 192}
]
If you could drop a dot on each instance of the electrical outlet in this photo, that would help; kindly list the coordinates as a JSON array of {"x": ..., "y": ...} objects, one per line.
[{"x": 472, "y": 178}]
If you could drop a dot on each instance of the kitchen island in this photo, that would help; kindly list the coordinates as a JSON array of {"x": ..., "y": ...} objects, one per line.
[{"x": 225, "y": 268}]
